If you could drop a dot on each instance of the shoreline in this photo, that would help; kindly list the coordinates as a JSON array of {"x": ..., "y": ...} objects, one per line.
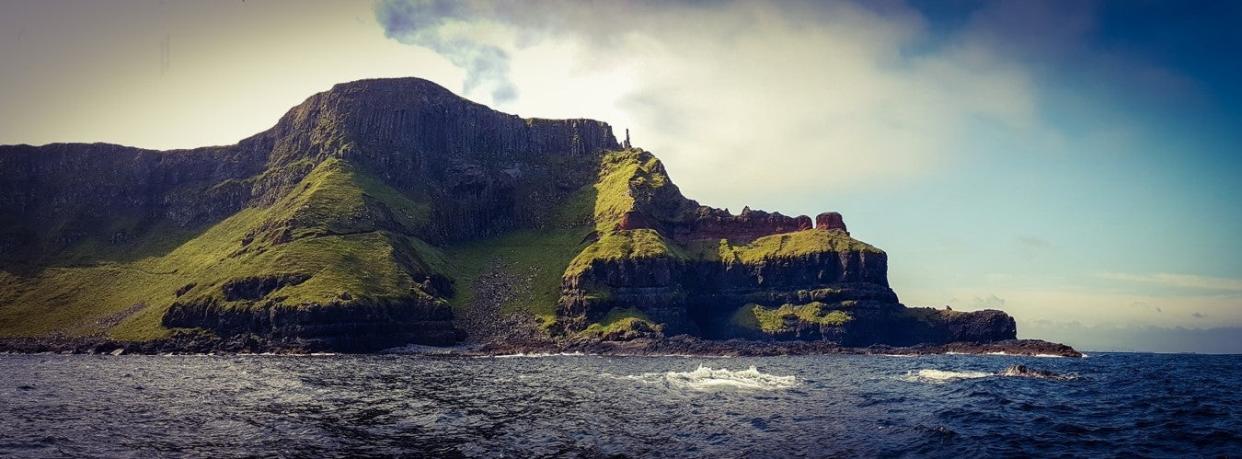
[{"x": 676, "y": 345}]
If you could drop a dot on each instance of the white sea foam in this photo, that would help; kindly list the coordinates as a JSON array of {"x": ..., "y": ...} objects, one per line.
[
  {"x": 1051, "y": 356},
  {"x": 945, "y": 375},
  {"x": 712, "y": 379},
  {"x": 536, "y": 355}
]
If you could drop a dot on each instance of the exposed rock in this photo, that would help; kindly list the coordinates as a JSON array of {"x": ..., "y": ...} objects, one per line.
[
  {"x": 830, "y": 221},
  {"x": 749, "y": 225},
  {"x": 253, "y": 288},
  {"x": 1027, "y": 372}
]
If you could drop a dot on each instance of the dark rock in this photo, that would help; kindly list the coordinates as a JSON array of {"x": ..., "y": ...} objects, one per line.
[
  {"x": 1027, "y": 372},
  {"x": 253, "y": 288}
]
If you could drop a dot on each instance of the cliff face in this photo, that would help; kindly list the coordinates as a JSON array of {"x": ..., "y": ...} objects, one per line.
[
  {"x": 383, "y": 212},
  {"x": 663, "y": 264}
]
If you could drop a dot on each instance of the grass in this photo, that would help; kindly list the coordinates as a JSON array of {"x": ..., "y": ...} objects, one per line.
[
  {"x": 777, "y": 246},
  {"x": 338, "y": 225},
  {"x": 784, "y": 318},
  {"x": 619, "y": 320},
  {"x": 542, "y": 255},
  {"x": 625, "y": 177},
  {"x": 625, "y": 245}
]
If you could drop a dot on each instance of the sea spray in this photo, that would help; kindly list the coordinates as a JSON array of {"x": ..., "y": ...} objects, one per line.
[{"x": 706, "y": 378}]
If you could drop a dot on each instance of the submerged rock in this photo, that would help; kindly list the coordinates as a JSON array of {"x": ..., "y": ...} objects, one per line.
[{"x": 1027, "y": 372}]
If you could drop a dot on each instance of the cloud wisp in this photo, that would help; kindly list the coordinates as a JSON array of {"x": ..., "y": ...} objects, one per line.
[
  {"x": 1189, "y": 281},
  {"x": 432, "y": 24}
]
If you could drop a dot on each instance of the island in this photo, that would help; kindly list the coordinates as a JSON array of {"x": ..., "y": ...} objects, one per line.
[{"x": 390, "y": 212}]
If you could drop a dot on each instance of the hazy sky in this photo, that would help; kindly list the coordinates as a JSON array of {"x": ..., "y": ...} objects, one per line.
[{"x": 1074, "y": 163}]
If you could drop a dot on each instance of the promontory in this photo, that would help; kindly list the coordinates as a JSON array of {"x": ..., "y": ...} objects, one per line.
[{"x": 388, "y": 212}]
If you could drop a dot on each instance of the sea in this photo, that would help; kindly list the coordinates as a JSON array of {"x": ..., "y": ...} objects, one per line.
[{"x": 420, "y": 405}]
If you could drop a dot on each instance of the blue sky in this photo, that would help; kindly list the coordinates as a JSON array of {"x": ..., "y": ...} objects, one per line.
[{"x": 1074, "y": 163}]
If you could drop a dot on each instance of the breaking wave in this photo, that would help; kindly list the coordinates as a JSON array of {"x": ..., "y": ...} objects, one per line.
[
  {"x": 1013, "y": 371},
  {"x": 712, "y": 379},
  {"x": 945, "y": 375},
  {"x": 536, "y": 355}
]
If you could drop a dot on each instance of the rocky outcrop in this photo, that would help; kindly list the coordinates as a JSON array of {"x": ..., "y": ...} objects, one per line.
[
  {"x": 255, "y": 287},
  {"x": 831, "y": 221},
  {"x": 483, "y": 172},
  {"x": 718, "y": 224},
  {"x": 690, "y": 269},
  {"x": 58, "y": 195},
  {"x": 341, "y": 324}
]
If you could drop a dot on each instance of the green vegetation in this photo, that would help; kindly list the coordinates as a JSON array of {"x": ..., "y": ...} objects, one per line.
[
  {"x": 619, "y": 321},
  {"x": 534, "y": 258},
  {"x": 787, "y": 316},
  {"x": 624, "y": 176},
  {"x": 930, "y": 316},
  {"x": 787, "y": 245},
  {"x": 625, "y": 245},
  {"x": 339, "y": 226}
]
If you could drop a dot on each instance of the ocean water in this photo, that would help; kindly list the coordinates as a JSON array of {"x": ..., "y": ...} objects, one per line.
[{"x": 1108, "y": 404}]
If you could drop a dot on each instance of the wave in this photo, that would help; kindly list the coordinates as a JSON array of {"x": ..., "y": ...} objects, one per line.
[
  {"x": 1012, "y": 371},
  {"x": 712, "y": 379},
  {"x": 945, "y": 375},
  {"x": 536, "y": 355}
]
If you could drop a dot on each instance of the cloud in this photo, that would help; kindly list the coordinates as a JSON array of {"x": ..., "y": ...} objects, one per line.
[
  {"x": 431, "y": 24},
  {"x": 1178, "y": 280},
  {"x": 798, "y": 98}
]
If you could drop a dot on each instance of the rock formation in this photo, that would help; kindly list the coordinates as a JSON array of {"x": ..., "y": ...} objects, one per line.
[{"x": 371, "y": 214}]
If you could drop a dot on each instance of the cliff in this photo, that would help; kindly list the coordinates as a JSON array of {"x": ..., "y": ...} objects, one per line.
[{"x": 384, "y": 212}]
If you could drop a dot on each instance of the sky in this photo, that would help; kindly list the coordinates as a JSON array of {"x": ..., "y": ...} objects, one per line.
[{"x": 1074, "y": 163}]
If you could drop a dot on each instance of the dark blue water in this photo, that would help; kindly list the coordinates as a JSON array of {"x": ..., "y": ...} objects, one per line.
[{"x": 587, "y": 406}]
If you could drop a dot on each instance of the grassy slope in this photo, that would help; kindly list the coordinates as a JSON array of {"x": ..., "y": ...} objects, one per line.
[
  {"x": 783, "y": 318},
  {"x": 542, "y": 255},
  {"x": 333, "y": 216},
  {"x": 628, "y": 176},
  {"x": 624, "y": 175}
]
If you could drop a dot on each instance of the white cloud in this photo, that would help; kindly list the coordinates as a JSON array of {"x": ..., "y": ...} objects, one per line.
[{"x": 746, "y": 101}]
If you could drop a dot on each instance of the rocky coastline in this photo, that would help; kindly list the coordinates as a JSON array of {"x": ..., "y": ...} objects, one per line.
[{"x": 191, "y": 343}]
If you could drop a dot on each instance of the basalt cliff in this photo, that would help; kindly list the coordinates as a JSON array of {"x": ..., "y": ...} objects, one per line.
[{"x": 386, "y": 212}]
